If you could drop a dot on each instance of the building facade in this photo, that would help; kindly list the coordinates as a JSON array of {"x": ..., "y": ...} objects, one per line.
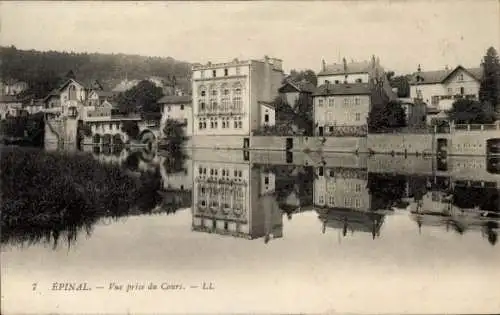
[
  {"x": 10, "y": 106},
  {"x": 177, "y": 107},
  {"x": 226, "y": 96},
  {"x": 341, "y": 108},
  {"x": 440, "y": 88}
]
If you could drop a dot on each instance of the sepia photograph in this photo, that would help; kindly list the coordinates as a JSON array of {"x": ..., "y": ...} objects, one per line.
[{"x": 249, "y": 157}]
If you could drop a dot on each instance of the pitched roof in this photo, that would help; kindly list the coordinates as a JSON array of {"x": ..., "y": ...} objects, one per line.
[
  {"x": 343, "y": 89},
  {"x": 175, "y": 99},
  {"x": 9, "y": 99},
  {"x": 267, "y": 104},
  {"x": 105, "y": 93},
  {"x": 300, "y": 86},
  {"x": 439, "y": 76},
  {"x": 352, "y": 68}
]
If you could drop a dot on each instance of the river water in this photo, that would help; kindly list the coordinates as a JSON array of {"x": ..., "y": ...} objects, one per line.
[{"x": 327, "y": 234}]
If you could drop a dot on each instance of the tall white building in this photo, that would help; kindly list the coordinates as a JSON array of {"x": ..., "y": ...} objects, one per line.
[{"x": 228, "y": 97}]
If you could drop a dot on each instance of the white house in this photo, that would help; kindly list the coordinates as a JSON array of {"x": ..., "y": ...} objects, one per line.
[
  {"x": 67, "y": 98},
  {"x": 9, "y": 106},
  {"x": 267, "y": 114},
  {"x": 177, "y": 107},
  {"x": 440, "y": 88}
]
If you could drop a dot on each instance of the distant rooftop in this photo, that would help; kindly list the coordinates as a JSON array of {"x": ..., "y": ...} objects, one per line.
[
  {"x": 277, "y": 63},
  {"x": 175, "y": 99},
  {"x": 343, "y": 89},
  {"x": 439, "y": 76},
  {"x": 300, "y": 86},
  {"x": 350, "y": 68}
]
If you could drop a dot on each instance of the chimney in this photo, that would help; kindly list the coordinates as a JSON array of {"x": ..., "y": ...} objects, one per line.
[
  {"x": 446, "y": 68},
  {"x": 267, "y": 79},
  {"x": 323, "y": 64}
]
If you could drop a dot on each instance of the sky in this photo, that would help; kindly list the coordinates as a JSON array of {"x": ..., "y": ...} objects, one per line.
[{"x": 403, "y": 34}]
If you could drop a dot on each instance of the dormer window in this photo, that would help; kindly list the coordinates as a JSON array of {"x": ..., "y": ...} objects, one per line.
[
  {"x": 214, "y": 73},
  {"x": 226, "y": 72},
  {"x": 336, "y": 81}
]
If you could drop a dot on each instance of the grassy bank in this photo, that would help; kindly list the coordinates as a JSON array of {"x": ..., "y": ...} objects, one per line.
[{"x": 48, "y": 194}]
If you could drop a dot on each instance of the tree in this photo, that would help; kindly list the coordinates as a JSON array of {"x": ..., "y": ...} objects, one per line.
[
  {"x": 402, "y": 83},
  {"x": 141, "y": 98},
  {"x": 174, "y": 135},
  {"x": 131, "y": 128},
  {"x": 303, "y": 109},
  {"x": 386, "y": 117},
  {"x": 489, "y": 90},
  {"x": 308, "y": 75},
  {"x": 466, "y": 111}
]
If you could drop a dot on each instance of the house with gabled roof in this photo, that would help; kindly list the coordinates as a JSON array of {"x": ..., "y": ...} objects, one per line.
[
  {"x": 440, "y": 88},
  {"x": 66, "y": 98},
  {"x": 291, "y": 90}
]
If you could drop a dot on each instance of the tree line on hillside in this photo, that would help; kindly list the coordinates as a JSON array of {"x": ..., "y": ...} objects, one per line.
[{"x": 43, "y": 71}]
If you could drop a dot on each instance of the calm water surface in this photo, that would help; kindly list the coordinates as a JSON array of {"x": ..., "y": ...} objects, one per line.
[{"x": 278, "y": 233}]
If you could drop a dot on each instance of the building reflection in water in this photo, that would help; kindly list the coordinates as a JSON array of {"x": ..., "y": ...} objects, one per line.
[
  {"x": 248, "y": 196},
  {"x": 175, "y": 172},
  {"x": 343, "y": 201},
  {"x": 235, "y": 199}
]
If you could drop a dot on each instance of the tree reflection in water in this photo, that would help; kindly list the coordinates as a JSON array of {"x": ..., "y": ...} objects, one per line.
[{"x": 54, "y": 196}]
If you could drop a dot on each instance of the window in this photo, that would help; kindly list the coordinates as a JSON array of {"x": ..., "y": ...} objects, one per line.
[
  {"x": 435, "y": 100},
  {"x": 266, "y": 180},
  {"x": 331, "y": 101},
  {"x": 226, "y": 226},
  {"x": 202, "y": 106},
  {"x": 331, "y": 200},
  {"x": 450, "y": 91},
  {"x": 185, "y": 121},
  {"x": 359, "y": 80},
  {"x": 460, "y": 77},
  {"x": 225, "y": 72},
  {"x": 168, "y": 108},
  {"x": 214, "y": 73},
  {"x": 356, "y": 101},
  {"x": 330, "y": 129},
  {"x": 111, "y": 126},
  {"x": 182, "y": 107},
  {"x": 237, "y": 98},
  {"x": 320, "y": 102},
  {"x": 321, "y": 199},
  {"x": 358, "y": 116},
  {"x": 320, "y": 171},
  {"x": 346, "y": 101},
  {"x": 223, "y": 126},
  {"x": 203, "y": 93},
  {"x": 327, "y": 82},
  {"x": 266, "y": 118},
  {"x": 357, "y": 203},
  {"x": 358, "y": 187},
  {"x": 202, "y": 74},
  {"x": 238, "y": 70},
  {"x": 462, "y": 90}
]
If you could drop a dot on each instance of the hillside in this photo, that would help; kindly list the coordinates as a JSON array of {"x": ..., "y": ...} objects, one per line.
[{"x": 44, "y": 70}]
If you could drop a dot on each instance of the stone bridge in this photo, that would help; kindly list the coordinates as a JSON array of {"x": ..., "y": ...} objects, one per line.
[{"x": 110, "y": 132}]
